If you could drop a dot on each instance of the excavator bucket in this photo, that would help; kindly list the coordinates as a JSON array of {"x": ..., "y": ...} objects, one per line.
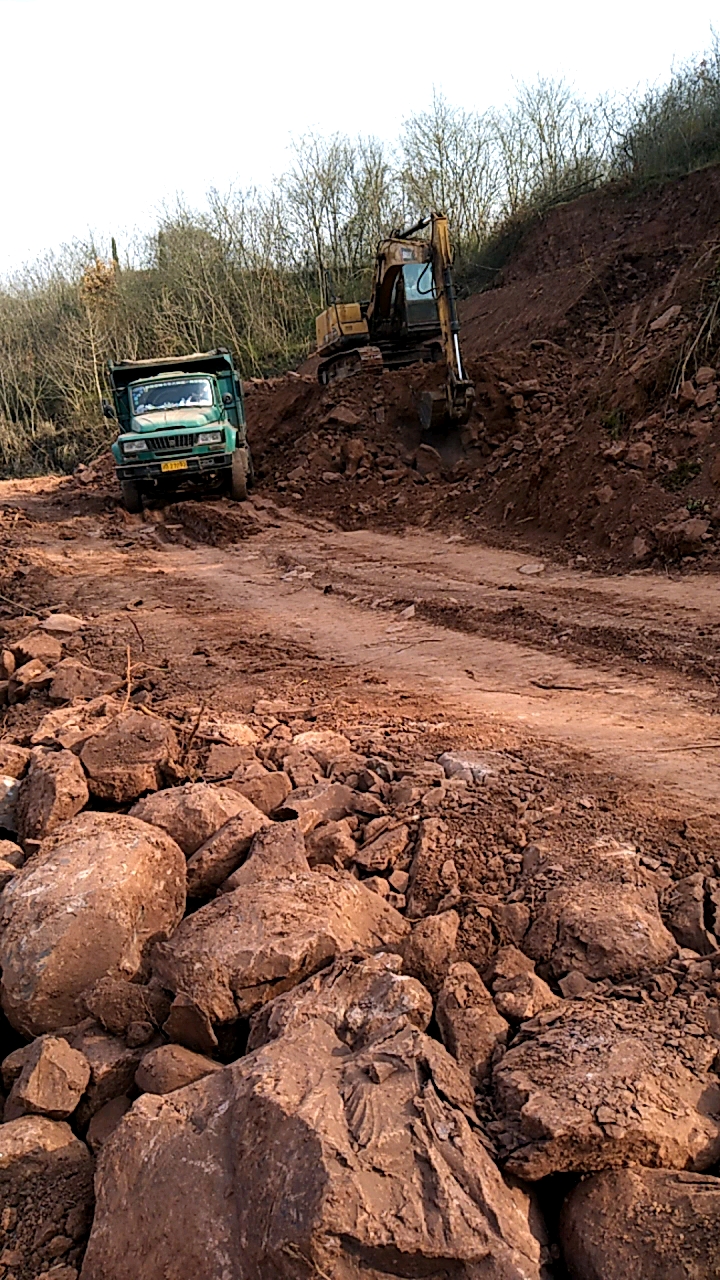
[{"x": 451, "y": 404}]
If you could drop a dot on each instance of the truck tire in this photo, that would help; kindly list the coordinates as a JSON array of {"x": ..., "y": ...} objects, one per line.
[
  {"x": 131, "y": 496},
  {"x": 239, "y": 476}
]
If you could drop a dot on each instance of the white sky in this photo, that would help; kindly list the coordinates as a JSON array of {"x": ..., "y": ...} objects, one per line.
[{"x": 107, "y": 110}]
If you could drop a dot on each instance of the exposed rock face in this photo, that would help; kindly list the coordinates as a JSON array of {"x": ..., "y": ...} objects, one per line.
[
  {"x": 651, "y": 1223},
  {"x": 266, "y": 793},
  {"x": 308, "y": 1159},
  {"x": 330, "y": 844},
  {"x": 171, "y": 1067},
  {"x": 426, "y": 889},
  {"x": 385, "y": 853},
  {"x": 687, "y": 913},
  {"x": 191, "y": 814},
  {"x": 470, "y": 1025},
  {"x": 46, "y": 1189},
  {"x": 598, "y": 1084},
  {"x": 523, "y": 996},
  {"x": 116, "y": 1004},
  {"x": 105, "y": 1121},
  {"x": 128, "y": 756},
  {"x": 112, "y": 1066},
  {"x": 54, "y": 791},
  {"x": 89, "y": 903},
  {"x": 324, "y": 744},
  {"x": 219, "y": 856},
  {"x": 326, "y": 802},
  {"x": 38, "y": 644},
  {"x": 31, "y": 675},
  {"x": 361, "y": 997},
  {"x": 248, "y": 946},
  {"x": 602, "y": 930},
  {"x": 276, "y": 852},
  {"x": 430, "y": 949},
  {"x": 73, "y": 679},
  {"x": 70, "y": 727},
  {"x": 53, "y": 1079},
  {"x": 14, "y": 760}
]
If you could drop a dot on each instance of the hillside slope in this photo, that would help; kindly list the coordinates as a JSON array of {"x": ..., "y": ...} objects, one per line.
[{"x": 597, "y": 425}]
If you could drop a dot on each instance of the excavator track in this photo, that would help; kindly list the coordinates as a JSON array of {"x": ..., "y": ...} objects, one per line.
[{"x": 347, "y": 363}]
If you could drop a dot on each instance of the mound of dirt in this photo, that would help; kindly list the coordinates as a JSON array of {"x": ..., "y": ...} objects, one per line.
[{"x": 596, "y": 426}]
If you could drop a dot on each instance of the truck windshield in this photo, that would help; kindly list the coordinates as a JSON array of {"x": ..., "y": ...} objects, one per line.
[{"x": 171, "y": 395}]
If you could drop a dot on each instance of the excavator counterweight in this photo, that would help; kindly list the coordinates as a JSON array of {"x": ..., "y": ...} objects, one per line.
[{"x": 411, "y": 316}]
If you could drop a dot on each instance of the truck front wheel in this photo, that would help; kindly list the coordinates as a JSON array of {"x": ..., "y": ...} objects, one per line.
[
  {"x": 239, "y": 476},
  {"x": 131, "y": 496}
]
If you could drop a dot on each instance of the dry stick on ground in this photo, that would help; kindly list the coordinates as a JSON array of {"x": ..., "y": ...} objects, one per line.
[
  {"x": 139, "y": 634},
  {"x": 128, "y": 681},
  {"x": 191, "y": 739},
  {"x": 15, "y": 605}
]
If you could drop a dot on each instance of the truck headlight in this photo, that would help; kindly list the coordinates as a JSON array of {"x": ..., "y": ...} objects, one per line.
[
  {"x": 134, "y": 446},
  {"x": 210, "y": 437}
]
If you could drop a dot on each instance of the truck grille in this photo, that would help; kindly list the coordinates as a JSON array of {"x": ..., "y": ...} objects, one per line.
[{"x": 169, "y": 443}]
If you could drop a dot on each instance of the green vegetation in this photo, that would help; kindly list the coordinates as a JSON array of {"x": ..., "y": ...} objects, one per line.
[
  {"x": 249, "y": 271},
  {"x": 686, "y": 471}
]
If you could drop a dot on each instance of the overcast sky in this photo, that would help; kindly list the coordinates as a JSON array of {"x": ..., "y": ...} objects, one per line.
[{"x": 109, "y": 110}]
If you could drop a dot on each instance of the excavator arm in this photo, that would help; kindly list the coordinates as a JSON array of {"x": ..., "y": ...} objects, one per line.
[{"x": 455, "y": 401}]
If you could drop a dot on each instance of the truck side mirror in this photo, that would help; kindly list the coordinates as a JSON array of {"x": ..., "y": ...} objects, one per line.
[
  {"x": 108, "y": 411},
  {"x": 227, "y": 399}
]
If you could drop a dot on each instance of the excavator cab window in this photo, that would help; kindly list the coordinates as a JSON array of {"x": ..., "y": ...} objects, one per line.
[
  {"x": 418, "y": 279},
  {"x": 420, "y": 301}
]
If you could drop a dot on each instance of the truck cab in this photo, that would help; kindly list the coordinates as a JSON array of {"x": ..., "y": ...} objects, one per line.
[{"x": 181, "y": 422}]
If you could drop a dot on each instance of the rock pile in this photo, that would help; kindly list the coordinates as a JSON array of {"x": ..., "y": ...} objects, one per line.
[{"x": 265, "y": 999}]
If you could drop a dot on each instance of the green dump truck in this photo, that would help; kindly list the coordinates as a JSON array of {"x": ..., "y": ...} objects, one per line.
[{"x": 182, "y": 423}]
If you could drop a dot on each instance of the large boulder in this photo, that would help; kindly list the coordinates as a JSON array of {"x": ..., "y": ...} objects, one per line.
[
  {"x": 596, "y": 1084},
  {"x": 600, "y": 930},
  {"x": 191, "y": 814},
  {"x": 46, "y": 1190},
  {"x": 53, "y": 791},
  {"x": 361, "y": 997},
  {"x": 655, "y": 1224},
  {"x": 308, "y": 1159},
  {"x": 254, "y": 943},
  {"x": 89, "y": 903},
  {"x": 128, "y": 757}
]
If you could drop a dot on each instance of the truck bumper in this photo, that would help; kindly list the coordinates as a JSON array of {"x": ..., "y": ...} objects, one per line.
[{"x": 196, "y": 465}]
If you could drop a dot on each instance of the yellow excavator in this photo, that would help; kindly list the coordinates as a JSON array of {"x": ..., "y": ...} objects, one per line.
[{"x": 411, "y": 316}]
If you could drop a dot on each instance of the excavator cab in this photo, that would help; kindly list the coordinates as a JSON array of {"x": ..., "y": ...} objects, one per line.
[{"x": 411, "y": 316}]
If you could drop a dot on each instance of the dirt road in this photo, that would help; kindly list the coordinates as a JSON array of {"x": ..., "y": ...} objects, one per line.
[{"x": 619, "y": 671}]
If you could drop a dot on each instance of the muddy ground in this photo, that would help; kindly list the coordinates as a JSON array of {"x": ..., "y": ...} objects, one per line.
[{"x": 608, "y": 682}]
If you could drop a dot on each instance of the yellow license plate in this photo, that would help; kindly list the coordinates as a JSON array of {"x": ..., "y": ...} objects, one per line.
[{"x": 180, "y": 464}]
